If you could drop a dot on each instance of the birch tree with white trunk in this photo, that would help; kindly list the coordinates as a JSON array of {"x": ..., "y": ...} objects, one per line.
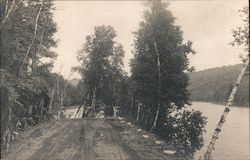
[
  {"x": 159, "y": 70},
  {"x": 241, "y": 38}
]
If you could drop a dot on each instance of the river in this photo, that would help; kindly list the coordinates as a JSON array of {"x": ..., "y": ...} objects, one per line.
[{"x": 233, "y": 142}]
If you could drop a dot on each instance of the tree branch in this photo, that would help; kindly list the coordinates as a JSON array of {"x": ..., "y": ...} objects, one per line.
[{"x": 7, "y": 12}]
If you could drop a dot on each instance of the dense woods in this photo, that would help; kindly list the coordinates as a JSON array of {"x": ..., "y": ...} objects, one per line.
[
  {"x": 214, "y": 85},
  {"x": 30, "y": 93}
]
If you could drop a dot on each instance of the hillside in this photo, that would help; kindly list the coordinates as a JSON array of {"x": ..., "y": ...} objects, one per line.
[
  {"x": 74, "y": 82},
  {"x": 214, "y": 85}
]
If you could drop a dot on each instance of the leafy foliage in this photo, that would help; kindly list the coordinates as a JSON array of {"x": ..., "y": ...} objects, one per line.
[
  {"x": 101, "y": 68},
  {"x": 241, "y": 34},
  {"x": 25, "y": 97},
  {"x": 185, "y": 129},
  {"x": 17, "y": 34},
  {"x": 159, "y": 75}
]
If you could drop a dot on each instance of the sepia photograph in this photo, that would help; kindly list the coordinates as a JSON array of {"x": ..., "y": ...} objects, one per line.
[{"x": 124, "y": 79}]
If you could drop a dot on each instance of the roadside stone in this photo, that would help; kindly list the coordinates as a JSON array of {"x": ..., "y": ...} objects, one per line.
[
  {"x": 158, "y": 142},
  {"x": 145, "y": 136},
  {"x": 129, "y": 123},
  {"x": 170, "y": 152}
]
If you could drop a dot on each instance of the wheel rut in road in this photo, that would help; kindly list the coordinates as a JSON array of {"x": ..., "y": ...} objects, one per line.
[{"x": 81, "y": 139}]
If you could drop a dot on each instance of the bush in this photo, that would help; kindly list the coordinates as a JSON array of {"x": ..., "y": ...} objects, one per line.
[
  {"x": 23, "y": 99},
  {"x": 184, "y": 129}
]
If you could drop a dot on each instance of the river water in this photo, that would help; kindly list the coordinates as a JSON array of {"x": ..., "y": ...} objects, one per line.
[{"x": 233, "y": 142}]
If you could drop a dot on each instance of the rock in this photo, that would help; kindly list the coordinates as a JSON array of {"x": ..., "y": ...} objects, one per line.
[
  {"x": 129, "y": 123},
  {"x": 175, "y": 125},
  {"x": 102, "y": 116},
  {"x": 158, "y": 142},
  {"x": 15, "y": 133},
  {"x": 145, "y": 136},
  {"x": 120, "y": 118},
  {"x": 138, "y": 130},
  {"x": 169, "y": 152},
  {"x": 123, "y": 121}
]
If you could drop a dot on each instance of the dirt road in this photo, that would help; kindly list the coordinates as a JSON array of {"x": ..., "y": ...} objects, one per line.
[{"x": 90, "y": 139}]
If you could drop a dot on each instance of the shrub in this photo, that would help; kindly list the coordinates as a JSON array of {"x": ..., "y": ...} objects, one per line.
[{"x": 184, "y": 129}]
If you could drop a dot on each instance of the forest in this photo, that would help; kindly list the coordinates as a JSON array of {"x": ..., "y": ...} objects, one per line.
[
  {"x": 155, "y": 96},
  {"x": 214, "y": 85},
  {"x": 30, "y": 92}
]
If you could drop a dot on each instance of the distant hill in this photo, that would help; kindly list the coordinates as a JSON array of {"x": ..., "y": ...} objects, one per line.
[
  {"x": 74, "y": 82},
  {"x": 214, "y": 85}
]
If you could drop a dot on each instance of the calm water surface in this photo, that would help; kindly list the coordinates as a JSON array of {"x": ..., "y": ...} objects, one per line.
[{"x": 233, "y": 142}]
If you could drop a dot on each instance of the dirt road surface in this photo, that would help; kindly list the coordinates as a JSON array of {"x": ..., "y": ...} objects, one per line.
[{"x": 89, "y": 139}]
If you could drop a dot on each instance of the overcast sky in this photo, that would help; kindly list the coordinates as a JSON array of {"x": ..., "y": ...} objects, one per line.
[{"x": 207, "y": 23}]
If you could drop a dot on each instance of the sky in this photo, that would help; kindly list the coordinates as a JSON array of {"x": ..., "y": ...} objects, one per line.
[{"x": 208, "y": 24}]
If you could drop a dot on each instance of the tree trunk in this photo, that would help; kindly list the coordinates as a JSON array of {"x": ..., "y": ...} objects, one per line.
[
  {"x": 112, "y": 98},
  {"x": 156, "y": 118},
  {"x": 86, "y": 104},
  {"x": 6, "y": 117},
  {"x": 52, "y": 96},
  {"x": 61, "y": 101},
  {"x": 7, "y": 12},
  {"x": 93, "y": 100},
  {"x": 33, "y": 39},
  {"x": 84, "y": 112},
  {"x": 131, "y": 106},
  {"x": 82, "y": 103},
  {"x": 59, "y": 114},
  {"x": 41, "y": 106},
  {"x": 6, "y": 6},
  {"x": 210, "y": 148},
  {"x": 34, "y": 60},
  {"x": 143, "y": 116},
  {"x": 159, "y": 86},
  {"x": 138, "y": 112}
]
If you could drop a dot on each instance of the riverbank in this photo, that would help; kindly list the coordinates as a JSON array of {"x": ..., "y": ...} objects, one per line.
[{"x": 222, "y": 103}]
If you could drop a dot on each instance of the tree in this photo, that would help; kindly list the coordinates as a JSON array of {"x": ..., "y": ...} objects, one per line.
[
  {"x": 241, "y": 37},
  {"x": 159, "y": 67},
  {"x": 27, "y": 30},
  {"x": 9, "y": 7},
  {"x": 241, "y": 34},
  {"x": 160, "y": 59},
  {"x": 27, "y": 37},
  {"x": 101, "y": 62}
]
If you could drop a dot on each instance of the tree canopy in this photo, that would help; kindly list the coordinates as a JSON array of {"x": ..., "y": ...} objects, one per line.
[
  {"x": 241, "y": 33},
  {"x": 159, "y": 73},
  {"x": 27, "y": 29},
  {"x": 101, "y": 67}
]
